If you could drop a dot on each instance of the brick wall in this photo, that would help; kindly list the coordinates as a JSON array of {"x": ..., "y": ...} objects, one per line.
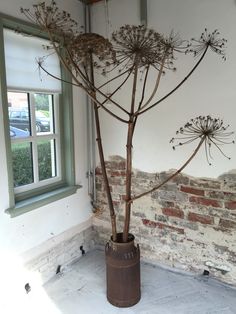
[
  {"x": 59, "y": 256},
  {"x": 190, "y": 223}
]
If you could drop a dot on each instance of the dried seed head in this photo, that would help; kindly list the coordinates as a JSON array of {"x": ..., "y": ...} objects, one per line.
[
  {"x": 51, "y": 19},
  {"x": 87, "y": 44},
  {"x": 211, "y": 40},
  {"x": 212, "y": 130},
  {"x": 144, "y": 47}
]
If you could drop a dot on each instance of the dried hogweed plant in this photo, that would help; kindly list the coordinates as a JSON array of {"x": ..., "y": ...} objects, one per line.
[{"x": 134, "y": 55}]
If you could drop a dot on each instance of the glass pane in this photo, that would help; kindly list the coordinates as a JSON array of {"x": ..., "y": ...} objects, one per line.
[
  {"x": 22, "y": 164},
  {"x": 19, "y": 114},
  {"x": 46, "y": 159},
  {"x": 44, "y": 113}
]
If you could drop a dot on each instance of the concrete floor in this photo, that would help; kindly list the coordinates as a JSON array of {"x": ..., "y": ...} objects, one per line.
[{"x": 80, "y": 289}]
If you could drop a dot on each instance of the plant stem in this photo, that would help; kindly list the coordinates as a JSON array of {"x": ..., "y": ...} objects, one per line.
[
  {"x": 129, "y": 159},
  {"x": 91, "y": 97},
  {"x": 102, "y": 159},
  {"x": 104, "y": 174},
  {"x": 86, "y": 80},
  {"x": 66, "y": 66},
  {"x": 173, "y": 175},
  {"x": 155, "y": 87},
  {"x": 114, "y": 91},
  {"x": 176, "y": 87}
]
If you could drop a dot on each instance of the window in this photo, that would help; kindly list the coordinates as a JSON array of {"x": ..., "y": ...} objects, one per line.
[
  {"x": 35, "y": 139},
  {"x": 37, "y": 115}
]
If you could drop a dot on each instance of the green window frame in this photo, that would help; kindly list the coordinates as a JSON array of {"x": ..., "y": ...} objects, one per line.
[{"x": 20, "y": 203}]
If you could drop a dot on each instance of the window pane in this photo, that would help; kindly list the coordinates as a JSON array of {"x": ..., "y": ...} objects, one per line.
[
  {"x": 44, "y": 113},
  {"x": 22, "y": 164},
  {"x": 19, "y": 114},
  {"x": 46, "y": 159}
]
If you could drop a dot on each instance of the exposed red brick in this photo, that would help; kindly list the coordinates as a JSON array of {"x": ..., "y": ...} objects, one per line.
[
  {"x": 190, "y": 190},
  {"x": 172, "y": 211},
  {"x": 123, "y": 198},
  {"x": 230, "y": 205},
  {"x": 98, "y": 171},
  {"x": 156, "y": 224},
  {"x": 226, "y": 223},
  {"x": 229, "y": 196},
  {"x": 149, "y": 223},
  {"x": 204, "y": 201},
  {"x": 203, "y": 219}
]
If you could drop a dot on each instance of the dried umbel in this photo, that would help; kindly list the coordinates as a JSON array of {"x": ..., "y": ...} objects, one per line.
[
  {"x": 211, "y": 40},
  {"x": 50, "y": 19},
  {"x": 173, "y": 44},
  {"x": 87, "y": 44},
  {"x": 137, "y": 45},
  {"x": 209, "y": 130}
]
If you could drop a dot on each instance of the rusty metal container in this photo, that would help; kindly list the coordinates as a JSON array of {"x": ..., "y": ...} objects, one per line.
[{"x": 123, "y": 272}]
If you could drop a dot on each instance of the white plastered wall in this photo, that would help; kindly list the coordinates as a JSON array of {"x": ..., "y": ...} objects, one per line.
[
  {"x": 210, "y": 90},
  {"x": 43, "y": 226}
]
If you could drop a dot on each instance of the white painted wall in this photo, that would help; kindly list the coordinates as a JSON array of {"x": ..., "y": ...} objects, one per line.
[
  {"x": 30, "y": 230},
  {"x": 211, "y": 90}
]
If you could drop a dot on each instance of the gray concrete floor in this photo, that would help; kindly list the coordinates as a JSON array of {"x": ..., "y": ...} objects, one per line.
[{"x": 81, "y": 290}]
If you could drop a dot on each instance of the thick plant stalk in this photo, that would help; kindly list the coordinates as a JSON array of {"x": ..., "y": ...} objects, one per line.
[
  {"x": 104, "y": 174},
  {"x": 102, "y": 159},
  {"x": 174, "y": 174},
  {"x": 129, "y": 159},
  {"x": 128, "y": 181}
]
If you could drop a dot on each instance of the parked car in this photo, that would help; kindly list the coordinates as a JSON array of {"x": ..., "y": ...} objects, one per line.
[
  {"x": 19, "y": 118},
  {"x": 15, "y": 133}
]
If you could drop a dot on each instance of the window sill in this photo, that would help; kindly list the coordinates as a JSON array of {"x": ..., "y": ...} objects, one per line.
[{"x": 34, "y": 202}]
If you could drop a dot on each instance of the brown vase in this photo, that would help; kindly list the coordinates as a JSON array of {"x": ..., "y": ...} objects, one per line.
[{"x": 123, "y": 272}]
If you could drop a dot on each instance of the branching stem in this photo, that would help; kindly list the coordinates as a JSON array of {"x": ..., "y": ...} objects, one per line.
[
  {"x": 173, "y": 175},
  {"x": 174, "y": 89}
]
